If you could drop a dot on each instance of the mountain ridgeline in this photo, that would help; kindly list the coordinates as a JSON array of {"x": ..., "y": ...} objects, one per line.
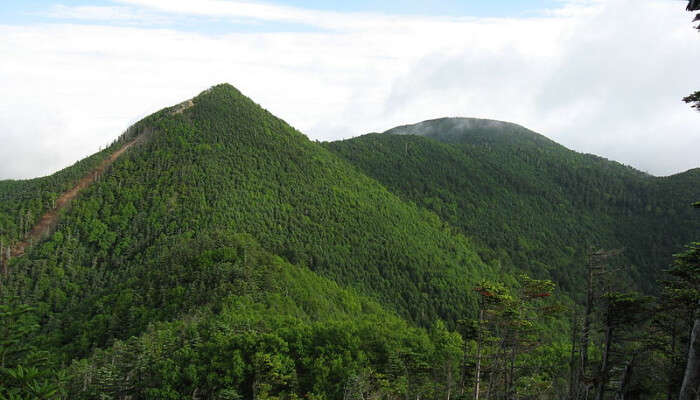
[
  {"x": 534, "y": 204},
  {"x": 221, "y": 254}
]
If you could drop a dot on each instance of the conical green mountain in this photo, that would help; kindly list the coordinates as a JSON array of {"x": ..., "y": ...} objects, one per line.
[
  {"x": 535, "y": 204},
  {"x": 150, "y": 240},
  {"x": 225, "y": 163}
]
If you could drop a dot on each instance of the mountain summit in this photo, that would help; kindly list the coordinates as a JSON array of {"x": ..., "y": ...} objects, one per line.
[
  {"x": 473, "y": 130},
  {"x": 218, "y": 215}
]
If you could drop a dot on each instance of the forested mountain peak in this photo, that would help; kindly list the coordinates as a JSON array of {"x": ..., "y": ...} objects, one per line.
[
  {"x": 146, "y": 241},
  {"x": 450, "y": 123},
  {"x": 224, "y": 104},
  {"x": 472, "y": 130}
]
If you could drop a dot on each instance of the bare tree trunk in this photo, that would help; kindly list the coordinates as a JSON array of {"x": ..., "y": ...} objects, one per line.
[
  {"x": 478, "y": 356},
  {"x": 2, "y": 259},
  {"x": 573, "y": 373},
  {"x": 28, "y": 220},
  {"x": 690, "y": 389},
  {"x": 6, "y": 262},
  {"x": 449, "y": 382},
  {"x": 624, "y": 381},
  {"x": 489, "y": 388},
  {"x": 21, "y": 224},
  {"x": 669, "y": 392},
  {"x": 463, "y": 372},
  {"x": 511, "y": 381},
  {"x": 587, "y": 322},
  {"x": 501, "y": 369},
  {"x": 596, "y": 266},
  {"x": 254, "y": 387},
  {"x": 603, "y": 375}
]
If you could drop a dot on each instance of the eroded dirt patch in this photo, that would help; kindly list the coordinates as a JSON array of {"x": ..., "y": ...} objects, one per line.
[{"x": 50, "y": 218}]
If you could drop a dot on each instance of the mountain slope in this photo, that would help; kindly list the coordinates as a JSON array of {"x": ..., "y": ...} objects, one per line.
[
  {"x": 537, "y": 204},
  {"x": 114, "y": 264},
  {"x": 23, "y": 202},
  {"x": 280, "y": 330}
]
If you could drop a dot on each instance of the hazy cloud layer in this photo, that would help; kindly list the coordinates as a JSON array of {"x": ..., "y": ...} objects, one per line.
[{"x": 596, "y": 76}]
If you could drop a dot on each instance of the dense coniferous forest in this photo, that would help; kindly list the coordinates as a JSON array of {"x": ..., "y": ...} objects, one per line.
[
  {"x": 226, "y": 256},
  {"x": 23, "y": 202},
  {"x": 533, "y": 203}
]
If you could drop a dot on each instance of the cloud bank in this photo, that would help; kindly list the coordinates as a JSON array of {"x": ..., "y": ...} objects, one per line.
[{"x": 597, "y": 76}]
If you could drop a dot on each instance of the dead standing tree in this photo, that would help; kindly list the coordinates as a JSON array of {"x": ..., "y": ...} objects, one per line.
[
  {"x": 4, "y": 257},
  {"x": 688, "y": 264},
  {"x": 597, "y": 266}
]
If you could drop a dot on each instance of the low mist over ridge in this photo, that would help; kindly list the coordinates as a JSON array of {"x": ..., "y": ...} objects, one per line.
[{"x": 478, "y": 130}]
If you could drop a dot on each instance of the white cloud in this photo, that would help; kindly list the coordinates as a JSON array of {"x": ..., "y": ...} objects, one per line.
[
  {"x": 596, "y": 76},
  {"x": 235, "y": 9},
  {"x": 345, "y": 21},
  {"x": 577, "y": 8},
  {"x": 107, "y": 14}
]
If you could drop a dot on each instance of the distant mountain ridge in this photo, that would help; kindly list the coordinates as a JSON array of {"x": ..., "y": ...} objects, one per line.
[
  {"x": 483, "y": 131},
  {"x": 515, "y": 190},
  {"x": 457, "y": 129}
]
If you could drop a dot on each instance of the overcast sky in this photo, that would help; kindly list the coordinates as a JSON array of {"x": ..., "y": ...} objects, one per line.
[{"x": 598, "y": 76}]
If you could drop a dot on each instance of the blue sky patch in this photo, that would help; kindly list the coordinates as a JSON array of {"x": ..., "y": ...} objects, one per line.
[{"x": 44, "y": 11}]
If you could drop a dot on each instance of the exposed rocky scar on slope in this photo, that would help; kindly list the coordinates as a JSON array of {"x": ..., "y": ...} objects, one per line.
[{"x": 50, "y": 218}]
